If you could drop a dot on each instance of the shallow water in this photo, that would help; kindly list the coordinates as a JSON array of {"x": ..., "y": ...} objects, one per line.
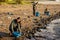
[
  {"x": 54, "y": 27},
  {"x": 51, "y": 33}
]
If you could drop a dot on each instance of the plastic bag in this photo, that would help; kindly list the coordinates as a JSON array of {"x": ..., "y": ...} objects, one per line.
[{"x": 17, "y": 34}]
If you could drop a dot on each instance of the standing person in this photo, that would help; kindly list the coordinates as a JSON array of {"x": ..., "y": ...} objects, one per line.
[
  {"x": 15, "y": 27},
  {"x": 34, "y": 4}
]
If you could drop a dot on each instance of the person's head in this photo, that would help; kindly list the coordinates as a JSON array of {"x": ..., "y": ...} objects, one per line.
[{"x": 18, "y": 19}]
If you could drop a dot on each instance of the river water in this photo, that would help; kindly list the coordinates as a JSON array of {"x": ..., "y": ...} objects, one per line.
[
  {"x": 51, "y": 33},
  {"x": 54, "y": 27}
]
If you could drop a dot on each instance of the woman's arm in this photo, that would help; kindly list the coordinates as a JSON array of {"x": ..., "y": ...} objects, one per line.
[{"x": 12, "y": 27}]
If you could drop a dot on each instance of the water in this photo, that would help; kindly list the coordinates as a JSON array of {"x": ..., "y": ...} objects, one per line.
[
  {"x": 51, "y": 33},
  {"x": 54, "y": 27}
]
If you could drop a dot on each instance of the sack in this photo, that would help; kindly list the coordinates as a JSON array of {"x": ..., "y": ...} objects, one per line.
[{"x": 17, "y": 34}]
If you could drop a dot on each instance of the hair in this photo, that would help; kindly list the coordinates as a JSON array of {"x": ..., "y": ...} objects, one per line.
[
  {"x": 46, "y": 9},
  {"x": 18, "y": 18}
]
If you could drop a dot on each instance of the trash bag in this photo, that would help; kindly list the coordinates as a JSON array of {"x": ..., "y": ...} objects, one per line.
[
  {"x": 37, "y": 14},
  {"x": 17, "y": 34}
]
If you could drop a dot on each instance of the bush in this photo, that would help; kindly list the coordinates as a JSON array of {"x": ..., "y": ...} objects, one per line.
[
  {"x": 10, "y": 2},
  {"x": 25, "y": 2},
  {"x": 16, "y": 2}
]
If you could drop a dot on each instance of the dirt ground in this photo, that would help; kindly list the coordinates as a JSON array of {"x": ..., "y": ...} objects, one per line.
[{"x": 22, "y": 11}]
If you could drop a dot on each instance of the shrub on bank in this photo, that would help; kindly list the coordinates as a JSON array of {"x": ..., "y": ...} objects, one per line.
[{"x": 15, "y": 2}]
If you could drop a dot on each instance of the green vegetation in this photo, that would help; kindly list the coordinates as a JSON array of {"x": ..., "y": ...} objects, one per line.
[
  {"x": 15, "y": 1},
  {"x": 10, "y": 1}
]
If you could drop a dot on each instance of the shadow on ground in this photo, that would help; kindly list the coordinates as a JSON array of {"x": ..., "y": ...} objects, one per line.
[{"x": 3, "y": 34}]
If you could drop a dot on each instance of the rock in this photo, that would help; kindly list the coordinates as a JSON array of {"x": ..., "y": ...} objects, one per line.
[
  {"x": 45, "y": 34},
  {"x": 1, "y": 23},
  {"x": 10, "y": 13},
  {"x": 26, "y": 39},
  {"x": 56, "y": 21},
  {"x": 25, "y": 13},
  {"x": 32, "y": 39},
  {"x": 9, "y": 17},
  {"x": 54, "y": 27}
]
